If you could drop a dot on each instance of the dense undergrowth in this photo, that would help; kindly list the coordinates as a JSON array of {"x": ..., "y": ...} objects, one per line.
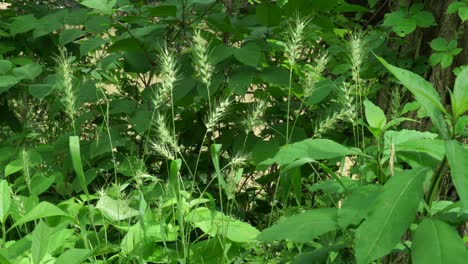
[{"x": 202, "y": 131}]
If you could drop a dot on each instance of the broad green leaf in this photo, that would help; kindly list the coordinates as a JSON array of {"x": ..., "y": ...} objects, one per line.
[
  {"x": 310, "y": 149},
  {"x": 317, "y": 256},
  {"x": 303, "y": 227},
  {"x": 40, "y": 183},
  {"x": 40, "y": 242},
  {"x": 5, "y": 66},
  {"x": 439, "y": 44},
  {"x": 49, "y": 23},
  {"x": 75, "y": 153},
  {"x": 5, "y": 200},
  {"x": 460, "y": 94},
  {"x": 115, "y": 210},
  {"x": 248, "y": 54},
  {"x": 103, "y": 6},
  {"x": 374, "y": 115},
  {"x": 70, "y": 35},
  {"x": 240, "y": 80},
  {"x": 91, "y": 44},
  {"x": 268, "y": 15},
  {"x": 463, "y": 13},
  {"x": 42, "y": 210},
  {"x": 23, "y": 24},
  {"x": 216, "y": 223},
  {"x": 28, "y": 71},
  {"x": 7, "y": 81},
  {"x": 436, "y": 242},
  {"x": 356, "y": 207},
  {"x": 424, "y": 93},
  {"x": 13, "y": 167},
  {"x": 393, "y": 212},
  {"x": 457, "y": 157},
  {"x": 73, "y": 256}
]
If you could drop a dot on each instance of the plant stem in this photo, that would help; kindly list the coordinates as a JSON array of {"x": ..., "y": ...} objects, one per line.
[{"x": 435, "y": 182}]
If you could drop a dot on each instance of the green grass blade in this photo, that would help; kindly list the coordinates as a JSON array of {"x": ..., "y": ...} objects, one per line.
[{"x": 77, "y": 164}]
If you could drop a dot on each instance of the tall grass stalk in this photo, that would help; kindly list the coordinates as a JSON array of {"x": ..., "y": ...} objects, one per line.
[
  {"x": 65, "y": 73},
  {"x": 356, "y": 53},
  {"x": 293, "y": 47}
]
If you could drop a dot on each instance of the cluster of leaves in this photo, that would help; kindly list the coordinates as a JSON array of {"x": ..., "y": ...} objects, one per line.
[{"x": 203, "y": 131}]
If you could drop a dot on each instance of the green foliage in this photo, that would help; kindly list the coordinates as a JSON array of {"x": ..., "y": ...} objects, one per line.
[
  {"x": 205, "y": 131},
  {"x": 405, "y": 20},
  {"x": 445, "y": 52}
]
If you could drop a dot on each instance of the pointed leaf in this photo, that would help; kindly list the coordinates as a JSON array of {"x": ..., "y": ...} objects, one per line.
[
  {"x": 76, "y": 159},
  {"x": 460, "y": 93},
  {"x": 358, "y": 205},
  {"x": 457, "y": 157},
  {"x": 5, "y": 200},
  {"x": 310, "y": 149},
  {"x": 426, "y": 95},
  {"x": 436, "y": 242},
  {"x": 392, "y": 214},
  {"x": 302, "y": 227},
  {"x": 374, "y": 115},
  {"x": 40, "y": 242},
  {"x": 42, "y": 210},
  {"x": 73, "y": 256}
]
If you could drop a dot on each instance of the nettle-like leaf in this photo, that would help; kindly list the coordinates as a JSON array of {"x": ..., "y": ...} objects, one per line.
[
  {"x": 436, "y": 242},
  {"x": 393, "y": 212},
  {"x": 405, "y": 21},
  {"x": 425, "y": 94}
]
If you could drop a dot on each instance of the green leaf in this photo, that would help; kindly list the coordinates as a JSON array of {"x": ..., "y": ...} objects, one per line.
[
  {"x": 22, "y": 24},
  {"x": 70, "y": 35},
  {"x": 103, "y": 6},
  {"x": 7, "y": 81},
  {"x": 311, "y": 149},
  {"x": 374, "y": 115},
  {"x": 460, "y": 94},
  {"x": 5, "y": 200},
  {"x": 436, "y": 242},
  {"x": 40, "y": 183},
  {"x": 357, "y": 205},
  {"x": 40, "y": 242},
  {"x": 49, "y": 23},
  {"x": 457, "y": 157},
  {"x": 391, "y": 216},
  {"x": 240, "y": 80},
  {"x": 13, "y": 167},
  {"x": 91, "y": 44},
  {"x": 453, "y": 7},
  {"x": 446, "y": 60},
  {"x": 75, "y": 153},
  {"x": 162, "y": 11},
  {"x": 463, "y": 13},
  {"x": 426, "y": 95},
  {"x": 42, "y": 210},
  {"x": 29, "y": 71},
  {"x": 275, "y": 75},
  {"x": 73, "y": 256},
  {"x": 268, "y": 15},
  {"x": 439, "y": 44},
  {"x": 303, "y": 227},
  {"x": 5, "y": 66},
  {"x": 248, "y": 54},
  {"x": 115, "y": 210},
  {"x": 216, "y": 223}
]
